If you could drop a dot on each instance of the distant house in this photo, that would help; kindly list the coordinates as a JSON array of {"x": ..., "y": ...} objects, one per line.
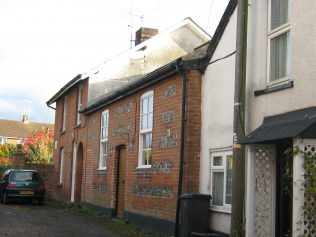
[
  {"x": 15, "y": 132},
  {"x": 128, "y": 132}
]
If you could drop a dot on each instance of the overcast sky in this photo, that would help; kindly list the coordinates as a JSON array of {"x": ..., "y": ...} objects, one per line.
[{"x": 46, "y": 43}]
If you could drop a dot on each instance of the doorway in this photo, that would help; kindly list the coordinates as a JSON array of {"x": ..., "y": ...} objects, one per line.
[
  {"x": 120, "y": 186},
  {"x": 78, "y": 178}
]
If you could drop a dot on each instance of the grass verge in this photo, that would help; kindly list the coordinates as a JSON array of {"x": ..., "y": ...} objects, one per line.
[{"x": 116, "y": 225}]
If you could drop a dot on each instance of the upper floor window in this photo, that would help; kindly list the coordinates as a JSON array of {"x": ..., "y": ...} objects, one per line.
[
  {"x": 2, "y": 140},
  {"x": 64, "y": 114},
  {"x": 104, "y": 139},
  {"x": 221, "y": 179},
  {"x": 146, "y": 126},
  {"x": 279, "y": 40},
  {"x": 61, "y": 166},
  {"x": 79, "y": 104}
]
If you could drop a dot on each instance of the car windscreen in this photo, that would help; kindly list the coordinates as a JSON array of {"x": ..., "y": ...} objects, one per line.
[{"x": 24, "y": 176}]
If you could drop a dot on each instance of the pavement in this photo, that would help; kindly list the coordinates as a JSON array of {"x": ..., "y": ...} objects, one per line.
[{"x": 32, "y": 220}]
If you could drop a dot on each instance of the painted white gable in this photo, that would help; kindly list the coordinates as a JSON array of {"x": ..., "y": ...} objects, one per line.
[
  {"x": 146, "y": 57},
  {"x": 217, "y": 115}
]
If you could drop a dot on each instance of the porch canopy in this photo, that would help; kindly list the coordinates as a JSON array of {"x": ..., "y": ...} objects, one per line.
[{"x": 299, "y": 123}]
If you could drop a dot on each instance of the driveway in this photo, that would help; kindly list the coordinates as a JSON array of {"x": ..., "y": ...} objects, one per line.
[{"x": 24, "y": 219}]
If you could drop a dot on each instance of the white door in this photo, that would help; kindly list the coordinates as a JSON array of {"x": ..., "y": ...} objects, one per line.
[
  {"x": 261, "y": 188},
  {"x": 73, "y": 176}
]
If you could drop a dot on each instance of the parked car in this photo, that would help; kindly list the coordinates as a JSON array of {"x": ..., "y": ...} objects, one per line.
[{"x": 21, "y": 184}]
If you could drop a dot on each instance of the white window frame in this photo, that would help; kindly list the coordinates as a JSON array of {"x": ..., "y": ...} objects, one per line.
[
  {"x": 103, "y": 156},
  {"x": 61, "y": 166},
  {"x": 144, "y": 131},
  {"x": 220, "y": 169},
  {"x": 79, "y": 104},
  {"x": 64, "y": 114},
  {"x": 272, "y": 34}
]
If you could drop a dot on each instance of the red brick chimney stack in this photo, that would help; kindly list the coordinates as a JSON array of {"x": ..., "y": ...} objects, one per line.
[{"x": 144, "y": 34}]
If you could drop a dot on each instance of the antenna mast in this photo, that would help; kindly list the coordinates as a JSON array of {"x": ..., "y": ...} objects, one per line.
[{"x": 131, "y": 25}]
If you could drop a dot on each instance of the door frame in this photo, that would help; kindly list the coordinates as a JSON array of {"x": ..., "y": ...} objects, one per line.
[
  {"x": 118, "y": 164},
  {"x": 73, "y": 171}
]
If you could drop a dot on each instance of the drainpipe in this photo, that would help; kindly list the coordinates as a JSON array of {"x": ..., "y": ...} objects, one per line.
[
  {"x": 183, "y": 119},
  {"x": 238, "y": 187}
]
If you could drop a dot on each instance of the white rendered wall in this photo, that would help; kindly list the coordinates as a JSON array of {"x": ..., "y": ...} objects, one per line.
[
  {"x": 217, "y": 113},
  {"x": 303, "y": 58}
]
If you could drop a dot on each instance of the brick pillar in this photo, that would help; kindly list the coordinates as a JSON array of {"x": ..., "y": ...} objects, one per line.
[{"x": 18, "y": 158}]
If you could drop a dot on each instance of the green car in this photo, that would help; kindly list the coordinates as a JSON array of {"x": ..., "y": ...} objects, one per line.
[{"x": 21, "y": 184}]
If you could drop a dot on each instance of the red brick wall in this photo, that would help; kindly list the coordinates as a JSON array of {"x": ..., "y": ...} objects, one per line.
[
  {"x": 65, "y": 139},
  {"x": 46, "y": 171},
  {"x": 136, "y": 199},
  {"x": 153, "y": 191},
  {"x": 191, "y": 166}
]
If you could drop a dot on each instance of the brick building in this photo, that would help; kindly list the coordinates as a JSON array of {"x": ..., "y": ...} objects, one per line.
[{"x": 130, "y": 146}]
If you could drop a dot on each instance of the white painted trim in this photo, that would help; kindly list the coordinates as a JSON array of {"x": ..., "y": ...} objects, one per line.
[
  {"x": 106, "y": 139},
  {"x": 142, "y": 131},
  {"x": 251, "y": 189},
  {"x": 298, "y": 191},
  {"x": 223, "y": 152},
  {"x": 271, "y": 34},
  {"x": 61, "y": 165},
  {"x": 64, "y": 114},
  {"x": 73, "y": 175}
]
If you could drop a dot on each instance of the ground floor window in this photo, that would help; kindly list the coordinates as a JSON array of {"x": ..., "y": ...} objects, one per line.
[{"x": 221, "y": 179}]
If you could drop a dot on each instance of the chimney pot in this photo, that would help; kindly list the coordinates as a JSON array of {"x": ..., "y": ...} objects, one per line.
[{"x": 26, "y": 118}]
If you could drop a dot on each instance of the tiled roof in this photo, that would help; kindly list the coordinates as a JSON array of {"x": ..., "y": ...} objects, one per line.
[{"x": 18, "y": 129}]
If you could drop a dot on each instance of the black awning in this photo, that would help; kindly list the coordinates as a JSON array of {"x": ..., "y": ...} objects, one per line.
[{"x": 298, "y": 123}]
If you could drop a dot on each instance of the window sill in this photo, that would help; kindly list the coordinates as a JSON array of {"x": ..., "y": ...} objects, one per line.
[
  {"x": 59, "y": 185},
  {"x": 274, "y": 88},
  {"x": 102, "y": 169},
  {"x": 143, "y": 167},
  {"x": 62, "y": 132},
  {"x": 225, "y": 210}
]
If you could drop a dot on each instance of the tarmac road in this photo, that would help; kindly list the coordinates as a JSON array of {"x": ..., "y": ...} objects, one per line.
[{"x": 32, "y": 220}]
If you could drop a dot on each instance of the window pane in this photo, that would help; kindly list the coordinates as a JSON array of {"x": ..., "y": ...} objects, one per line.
[
  {"x": 103, "y": 154},
  {"x": 147, "y": 140},
  {"x": 145, "y": 106},
  {"x": 218, "y": 188},
  {"x": 150, "y": 139},
  {"x": 150, "y": 104},
  {"x": 217, "y": 161},
  {"x": 150, "y": 120},
  {"x": 280, "y": 57},
  {"x": 145, "y": 144},
  {"x": 279, "y": 13},
  {"x": 147, "y": 157},
  {"x": 144, "y": 122},
  {"x": 229, "y": 168}
]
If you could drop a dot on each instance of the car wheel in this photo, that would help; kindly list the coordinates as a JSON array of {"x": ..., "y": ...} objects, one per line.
[
  {"x": 5, "y": 198},
  {"x": 40, "y": 201}
]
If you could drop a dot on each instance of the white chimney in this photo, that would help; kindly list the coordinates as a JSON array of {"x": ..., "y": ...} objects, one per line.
[{"x": 26, "y": 119}]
